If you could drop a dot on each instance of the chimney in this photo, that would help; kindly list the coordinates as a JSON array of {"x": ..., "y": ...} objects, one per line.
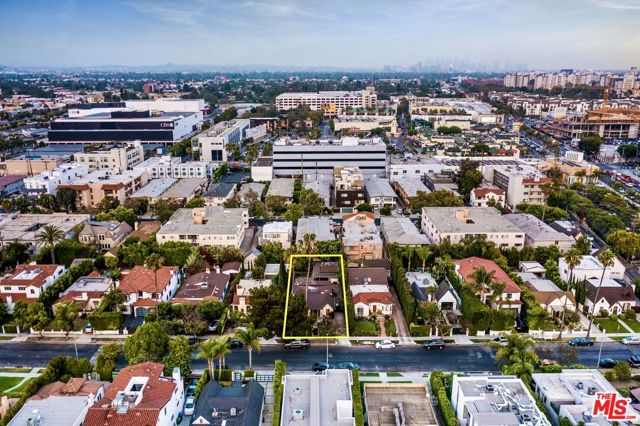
[
  {"x": 217, "y": 269},
  {"x": 207, "y": 270}
]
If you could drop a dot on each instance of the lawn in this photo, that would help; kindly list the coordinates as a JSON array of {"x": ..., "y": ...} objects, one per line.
[
  {"x": 19, "y": 392},
  {"x": 390, "y": 327},
  {"x": 370, "y": 374},
  {"x": 394, "y": 375},
  {"x": 8, "y": 383},
  {"x": 363, "y": 327},
  {"x": 610, "y": 326},
  {"x": 15, "y": 370},
  {"x": 634, "y": 324}
]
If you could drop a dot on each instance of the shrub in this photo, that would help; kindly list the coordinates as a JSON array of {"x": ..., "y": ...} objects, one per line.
[
  {"x": 419, "y": 330},
  {"x": 630, "y": 314},
  {"x": 622, "y": 370},
  {"x": 249, "y": 374},
  {"x": 444, "y": 405},
  {"x": 614, "y": 317},
  {"x": 279, "y": 372},
  {"x": 356, "y": 396},
  {"x": 610, "y": 375},
  {"x": 224, "y": 375},
  {"x": 202, "y": 381},
  {"x": 106, "y": 320}
]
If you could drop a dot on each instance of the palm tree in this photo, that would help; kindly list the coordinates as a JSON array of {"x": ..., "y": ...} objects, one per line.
[
  {"x": 48, "y": 238},
  {"x": 207, "y": 352},
  {"x": 408, "y": 252},
  {"x": 423, "y": 254},
  {"x": 481, "y": 280},
  {"x": 308, "y": 240},
  {"x": 572, "y": 258},
  {"x": 250, "y": 337},
  {"x": 519, "y": 355},
  {"x": 496, "y": 293},
  {"x": 153, "y": 263},
  {"x": 606, "y": 258},
  {"x": 221, "y": 349}
]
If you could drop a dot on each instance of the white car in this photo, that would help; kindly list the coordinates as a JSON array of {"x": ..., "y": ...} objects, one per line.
[
  {"x": 385, "y": 344},
  {"x": 189, "y": 406},
  {"x": 631, "y": 340},
  {"x": 500, "y": 340}
]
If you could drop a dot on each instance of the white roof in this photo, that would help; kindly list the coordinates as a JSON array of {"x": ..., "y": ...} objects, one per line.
[
  {"x": 54, "y": 411},
  {"x": 277, "y": 227}
]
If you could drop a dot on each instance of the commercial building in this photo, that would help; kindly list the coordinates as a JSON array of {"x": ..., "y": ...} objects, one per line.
[
  {"x": 321, "y": 226},
  {"x": 206, "y": 226},
  {"x": 539, "y": 234},
  {"x": 316, "y": 159},
  {"x": 318, "y": 399},
  {"x": 364, "y": 123},
  {"x": 28, "y": 282},
  {"x": 348, "y": 183},
  {"x": 123, "y": 126},
  {"x": 115, "y": 157},
  {"x": 379, "y": 193},
  {"x": 140, "y": 394},
  {"x": 573, "y": 393},
  {"x": 104, "y": 235},
  {"x": 523, "y": 183},
  {"x": 169, "y": 166},
  {"x": 47, "y": 182},
  {"x": 456, "y": 223},
  {"x": 96, "y": 186},
  {"x": 262, "y": 169},
  {"x": 23, "y": 228},
  {"x": 331, "y": 102},
  {"x": 361, "y": 237},
  {"x": 388, "y": 404},
  {"x": 212, "y": 143},
  {"x": 277, "y": 232},
  {"x": 11, "y": 185},
  {"x": 30, "y": 164},
  {"x": 609, "y": 123},
  {"x": 494, "y": 400},
  {"x": 198, "y": 106},
  {"x": 401, "y": 231}
]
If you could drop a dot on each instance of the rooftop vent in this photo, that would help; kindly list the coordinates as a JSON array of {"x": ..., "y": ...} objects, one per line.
[
  {"x": 592, "y": 390},
  {"x": 490, "y": 388},
  {"x": 298, "y": 414}
]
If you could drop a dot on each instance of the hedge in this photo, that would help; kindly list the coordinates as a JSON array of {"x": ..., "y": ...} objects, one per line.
[
  {"x": 51, "y": 294},
  {"x": 419, "y": 330},
  {"x": 403, "y": 290},
  {"x": 202, "y": 381},
  {"x": 249, "y": 374},
  {"x": 444, "y": 405},
  {"x": 279, "y": 372},
  {"x": 356, "y": 396},
  {"x": 224, "y": 375},
  {"x": 106, "y": 320}
]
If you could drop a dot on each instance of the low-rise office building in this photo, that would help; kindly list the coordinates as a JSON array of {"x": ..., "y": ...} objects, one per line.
[
  {"x": 212, "y": 143},
  {"x": 48, "y": 182},
  {"x": 174, "y": 167},
  {"x": 98, "y": 185},
  {"x": 331, "y": 102},
  {"x": 115, "y": 157}
]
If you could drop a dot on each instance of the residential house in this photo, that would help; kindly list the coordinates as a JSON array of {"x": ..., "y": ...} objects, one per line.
[
  {"x": 12, "y": 185},
  {"x": 402, "y": 231},
  {"x": 548, "y": 295},
  {"x": 242, "y": 297},
  {"x": 613, "y": 297},
  {"x": 146, "y": 288},
  {"x": 361, "y": 237},
  {"x": 219, "y": 193},
  {"x": 425, "y": 287},
  {"x": 379, "y": 192},
  {"x": 320, "y": 296},
  {"x": 277, "y": 232},
  {"x": 105, "y": 235},
  {"x": 28, "y": 282},
  {"x": 203, "y": 286},
  {"x": 590, "y": 268},
  {"x": 281, "y": 187},
  {"x": 236, "y": 405},
  {"x": 231, "y": 268},
  {"x": 532, "y": 267},
  {"x": 487, "y": 197},
  {"x": 510, "y": 297},
  {"x": 539, "y": 234},
  {"x": 140, "y": 395},
  {"x": 370, "y": 291},
  {"x": 87, "y": 291},
  {"x": 246, "y": 188},
  {"x": 320, "y": 226}
]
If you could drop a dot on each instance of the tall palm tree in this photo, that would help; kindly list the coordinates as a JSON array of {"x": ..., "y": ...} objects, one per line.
[
  {"x": 207, "y": 351},
  {"x": 308, "y": 239},
  {"x": 221, "y": 349},
  {"x": 518, "y": 355},
  {"x": 423, "y": 254},
  {"x": 496, "y": 293},
  {"x": 49, "y": 237},
  {"x": 482, "y": 279},
  {"x": 250, "y": 337},
  {"x": 606, "y": 258},
  {"x": 572, "y": 258},
  {"x": 153, "y": 263},
  {"x": 408, "y": 252}
]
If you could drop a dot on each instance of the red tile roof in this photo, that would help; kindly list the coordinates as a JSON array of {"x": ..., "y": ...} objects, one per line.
[
  {"x": 373, "y": 297},
  {"x": 470, "y": 264},
  {"x": 37, "y": 281},
  {"x": 481, "y": 192},
  {"x": 143, "y": 279}
]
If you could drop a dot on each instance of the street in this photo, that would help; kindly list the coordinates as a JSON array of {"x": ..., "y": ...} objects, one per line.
[{"x": 402, "y": 358}]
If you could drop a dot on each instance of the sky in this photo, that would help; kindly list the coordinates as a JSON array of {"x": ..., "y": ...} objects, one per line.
[{"x": 544, "y": 34}]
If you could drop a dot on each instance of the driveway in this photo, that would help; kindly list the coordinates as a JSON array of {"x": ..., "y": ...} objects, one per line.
[{"x": 401, "y": 325}]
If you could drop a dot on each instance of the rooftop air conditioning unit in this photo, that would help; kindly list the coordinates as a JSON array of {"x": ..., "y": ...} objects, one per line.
[
  {"x": 298, "y": 414},
  {"x": 233, "y": 412}
]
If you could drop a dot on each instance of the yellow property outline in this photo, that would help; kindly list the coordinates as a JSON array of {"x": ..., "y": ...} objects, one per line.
[{"x": 344, "y": 298}]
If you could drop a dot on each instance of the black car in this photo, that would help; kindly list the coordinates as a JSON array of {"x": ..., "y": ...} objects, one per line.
[
  {"x": 434, "y": 344},
  {"x": 634, "y": 361},
  {"x": 236, "y": 344},
  {"x": 321, "y": 366},
  {"x": 581, "y": 341},
  {"x": 297, "y": 344},
  {"x": 607, "y": 363},
  {"x": 191, "y": 388}
]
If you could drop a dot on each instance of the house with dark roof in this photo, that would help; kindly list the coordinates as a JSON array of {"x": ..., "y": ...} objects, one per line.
[
  {"x": 203, "y": 286},
  {"x": 237, "y": 405},
  {"x": 614, "y": 296},
  {"x": 146, "y": 288},
  {"x": 218, "y": 193},
  {"x": 320, "y": 295},
  {"x": 28, "y": 282}
]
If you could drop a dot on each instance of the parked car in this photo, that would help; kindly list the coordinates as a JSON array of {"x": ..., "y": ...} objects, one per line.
[
  {"x": 581, "y": 341},
  {"x": 500, "y": 340},
  {"x": 385, "y": 344},
  {"x": 434, "y": 344},
  {"x": 606, "y": 363},
  {"x": 321, "y": 366},
  {"x": 189, "y": 406},
  {"x": 236, "y": 344},
  {"x": 191, "y": 388},
  {"x": 213, "y": 325},
  {"x": 88, "y": 328},
  {"x": 348, "y": 365},
  {"x": 630, "y": 340},
  {"x": 297, "y": 344},
  {"x": 634, "y": 361}
]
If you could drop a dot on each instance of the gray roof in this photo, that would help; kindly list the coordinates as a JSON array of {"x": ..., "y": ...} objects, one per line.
[
  {"x": 221, "y": 189},
  {"x": 154, "y": 188},
  {"x": 402, "y": 231},
  {"x": 536, "y": 229},
  {"x": 320, "y": 187},
  {"x": 252, "y": 186},
  {"x": 246, "y": 399},
  {"x": 476, "y": 220},
  {"x": 54, "y": 411},
  {"x": 377, "y": 187},
  {"x": 221, "y": 221},
  {"x": 184, "y": 188},
  {"x": 321, "y": 226},
  {"x": 281, "y": 187}
]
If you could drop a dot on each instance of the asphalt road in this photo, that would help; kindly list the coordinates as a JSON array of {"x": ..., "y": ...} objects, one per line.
[{"x": 402, "y": 358}]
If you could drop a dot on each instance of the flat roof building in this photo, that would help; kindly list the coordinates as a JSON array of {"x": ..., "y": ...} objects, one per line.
[
  {"x": 320, "y": 226},
  {"x": 212, "y": 143},
  {"x": 401, "y": 231},
  {"x": 184, "y": 189},
  {"x": 411, "y": 401},
  {"x": 23, "y": 228},
  {"x": 206, "y": 226},
  {"x": 96, "y": 186},
  {"x": 539, "y": 234},
  {"x": 115, "y": 157},
  {"x": 47, "y": 182},
  {"x": 379, "y": 192},
  {"x": 169, "y": 166},
  {"x": 153, "y": 190},
  {"x": 331, "y": 102},
  {"x": 281, "y": 187}
]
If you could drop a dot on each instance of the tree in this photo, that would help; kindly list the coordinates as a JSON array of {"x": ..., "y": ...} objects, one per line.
[
  {"x": 572, "y": 259},
  {"x": 65, "y": 314},
  {"x": 481, "y": 280},
  {"x": 276, "y": 205},
  {"x": 107, "y": 358},
  {"x": 518, "y": 357},
  {"x": 119, "y": 214},
  {"x": 423, "y": 254},
  {"x": 30, "y": 315},
  {"x": 628, "y": 151},
  {"x": 212, "y": 349},
  {"x": 195, "y": 202},
  {"x": 590, "y": 144},
  {"x": 66, "y": 198},
  {"x": 112, "y": 300},
  {"x": 626, "y": 243},
  {"x": 606, "y": 258},
  {"x": 311, "y": 202},
  {"x": 428, "y": 311},
  {"x": 179, "y": 356},
  {"x": 440, "y": 198},
  {"x": 364, "y": 207},
  {"x": 149, "y": 343},
  {"x": 294, "y": 212},
  {"x": 48, "y": 238},
  {"x": 582, "y": 245},
  {"x": 250, "y": 337},
  {"x": 468, "y": 177}
]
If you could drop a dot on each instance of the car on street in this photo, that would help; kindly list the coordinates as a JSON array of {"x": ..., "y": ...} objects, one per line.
[
  {"x": 434, "y": 344},
  {"x": 634, "y": 361},
  {"x": 385, "y": 344},
  {"x": 236, "y": 344},
  {"x": 347, "y": 365},
  {"x": 581, "y": 341},
  {"x": 297, "y": 344},
  {"x": 321, "y": 366},
  {"x": 500, "y": 340},
  {"x": 630, "y": 340},
  {"x": 607, "y": 363},
  {"x": 189, "y": 406},
  {"x": 191, "y": 388}
]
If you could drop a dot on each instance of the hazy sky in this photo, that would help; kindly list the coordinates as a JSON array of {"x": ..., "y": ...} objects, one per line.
[{"x": 349, "y": 33}]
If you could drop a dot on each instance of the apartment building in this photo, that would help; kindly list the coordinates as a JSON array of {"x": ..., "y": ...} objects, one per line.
[
  {"x": 591, "y": 268},
  {"x": 455, "y": 223},
  {"x": 105, "y": 235},
  {"x": 281, "y": 187},
  {"x": 348, "y": 183},
  {"x": 98, "y": 185},
  {"x": 24, "y": 228},
  {"x": 322, "y": 188},
  {"x": 379, "y": 193},
  {"x": 522, "y": 183},
  {"x": 11, "y": 185},
  {"x": 361, "y": 237},
  {"x": 30, "y": 164},
  {"x": 262, "y": 169},
  {"x": 401, "y": 231},
  {"x": 331, "y": 102},
  {"x": 483, "y": 197},
  {"x": 28, "y": 282},
  {"x": 320, "y": 226},
  {"x": 206, "y": 226},
  {"x": 409, "y": 187},
  {"x": 573, "y": 168},
  {"x": 115, "y": 157},
  {"x": 212, "y": 143},
  {"x": 277, "y": 232},
  {"x": 316, "y": 159},
  {"x": 173, "y": 167},
  {"x": 539, "y": 234},
  {"x": 480, "y": 400},
  {"x": 47, "y": 182}
]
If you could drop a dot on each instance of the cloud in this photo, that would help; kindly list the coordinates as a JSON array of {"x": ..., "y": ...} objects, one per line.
[{"x": 618, "y": 4}]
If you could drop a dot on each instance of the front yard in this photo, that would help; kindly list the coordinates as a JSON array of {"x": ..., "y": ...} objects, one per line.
[
  {"x": 634, "y": 324},
  {"x": 610, "y": 326},
  {"x": 364, "y": 327}
]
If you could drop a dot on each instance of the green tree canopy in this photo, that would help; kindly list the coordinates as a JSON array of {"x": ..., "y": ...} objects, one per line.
[{"x": 149, "y": 343}]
